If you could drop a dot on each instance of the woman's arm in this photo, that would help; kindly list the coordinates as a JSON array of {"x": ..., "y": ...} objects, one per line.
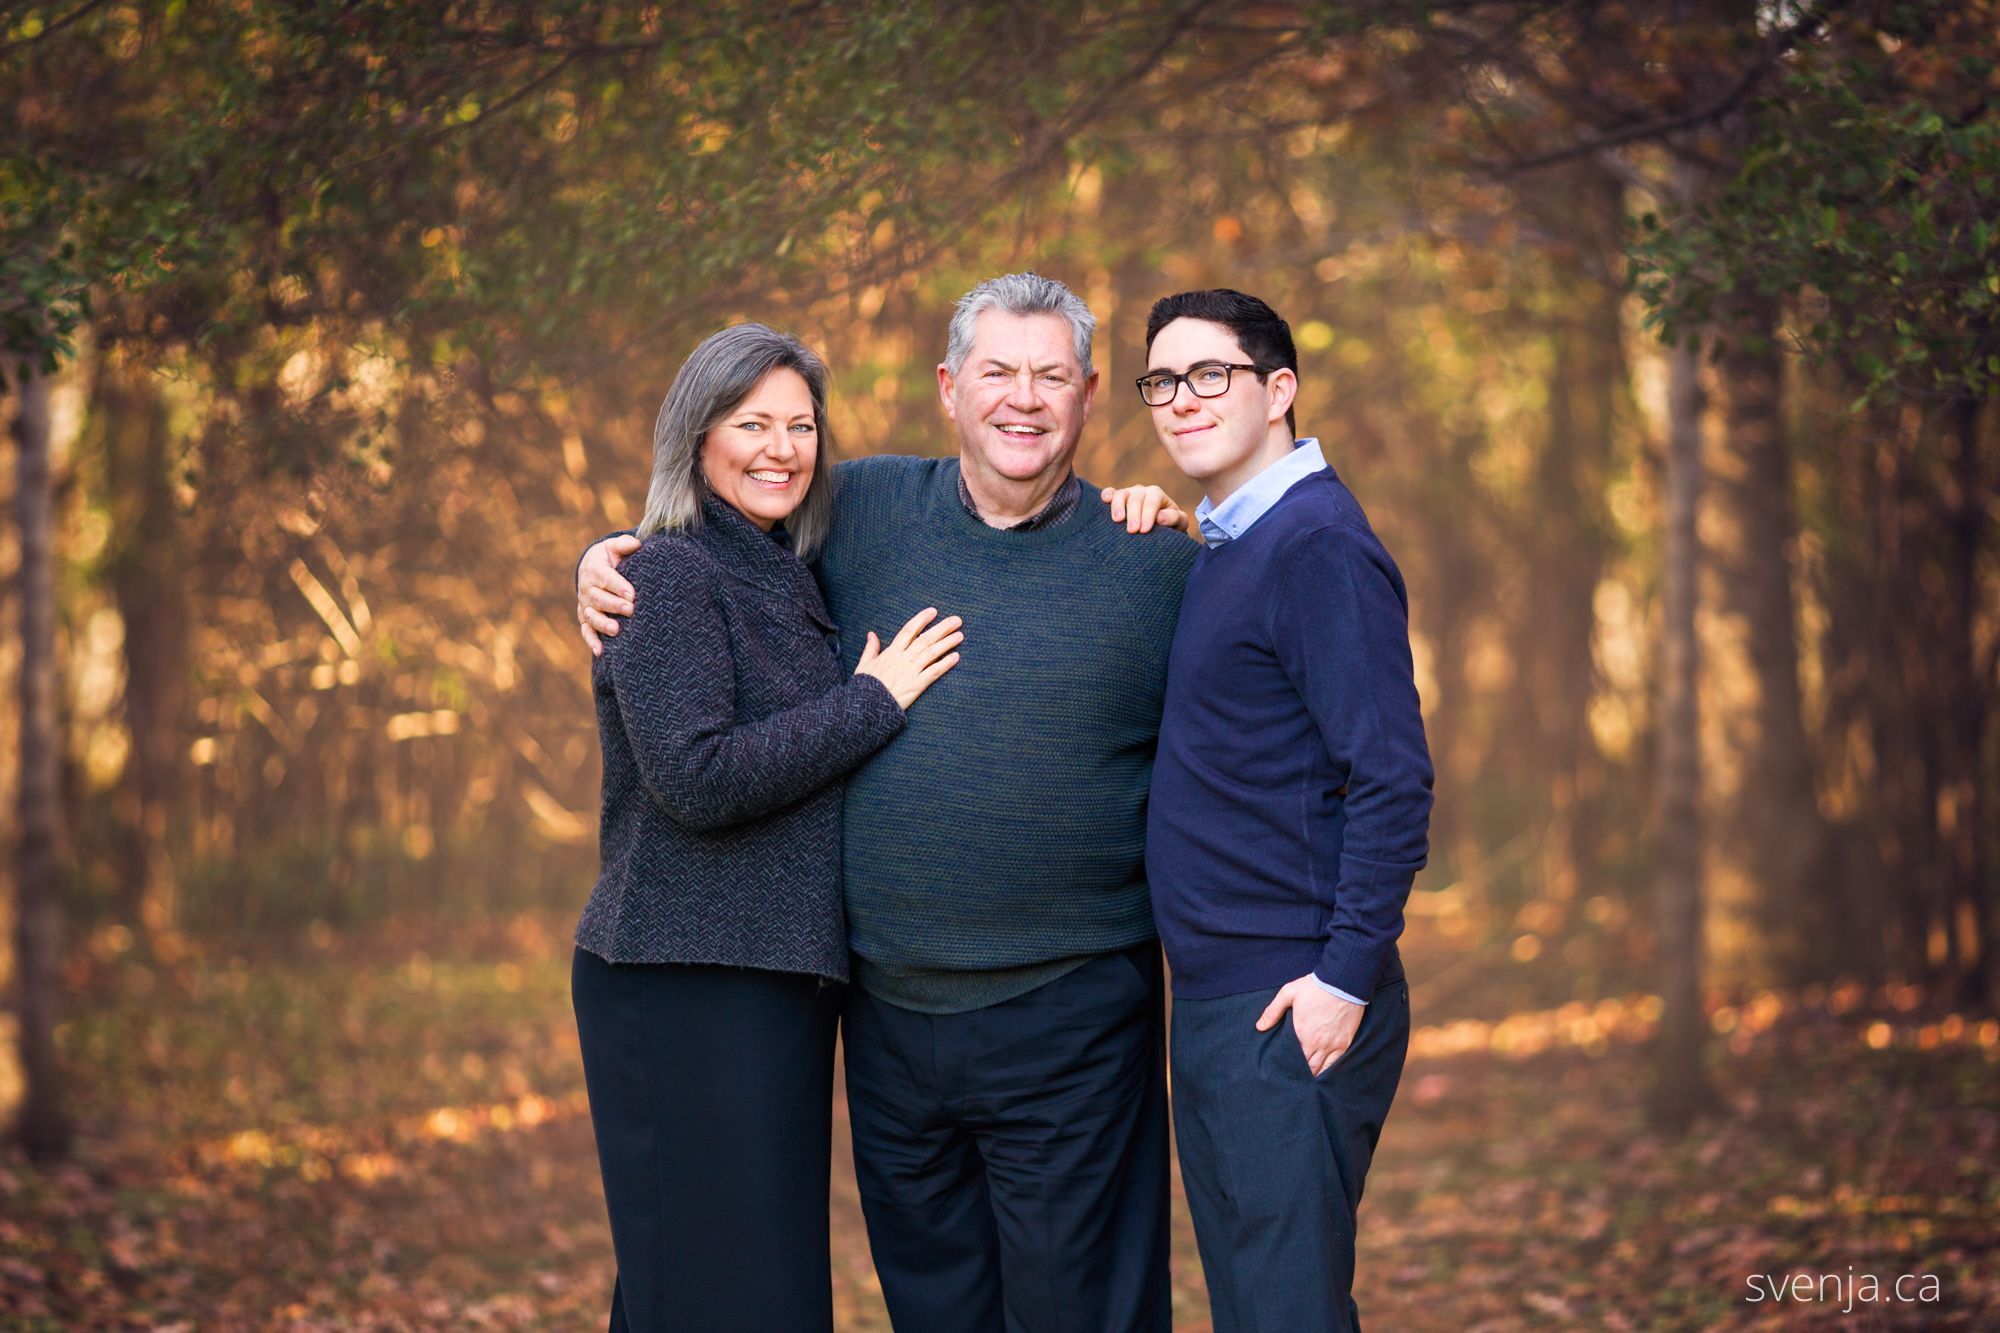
[{"x": 672, "y": 675}]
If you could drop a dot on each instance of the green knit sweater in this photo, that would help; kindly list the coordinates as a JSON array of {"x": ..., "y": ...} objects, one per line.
[{"x": 999, "y": 841}]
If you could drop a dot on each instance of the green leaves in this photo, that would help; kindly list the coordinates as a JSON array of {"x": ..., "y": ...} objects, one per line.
[
  {"x": 533, "y": 183},
  {"x": 594, "y": 162},
  {"x": 1870, "y": 196}
]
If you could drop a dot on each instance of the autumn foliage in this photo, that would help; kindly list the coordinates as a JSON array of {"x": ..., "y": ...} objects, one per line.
[{"x": 1659, "y": 342}]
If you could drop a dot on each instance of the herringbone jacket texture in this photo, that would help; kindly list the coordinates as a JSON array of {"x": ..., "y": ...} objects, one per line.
[{"x": 727, "y": 727}]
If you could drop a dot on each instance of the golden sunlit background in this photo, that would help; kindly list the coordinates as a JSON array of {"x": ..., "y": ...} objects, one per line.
[{"x": 1658, "y": 340}]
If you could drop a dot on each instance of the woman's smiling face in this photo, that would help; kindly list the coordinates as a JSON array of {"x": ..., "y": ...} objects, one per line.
[{"x": 759, "y": 459}]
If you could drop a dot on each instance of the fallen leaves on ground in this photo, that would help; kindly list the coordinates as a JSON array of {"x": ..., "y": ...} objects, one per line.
[{"x": 388, "y": 1131}]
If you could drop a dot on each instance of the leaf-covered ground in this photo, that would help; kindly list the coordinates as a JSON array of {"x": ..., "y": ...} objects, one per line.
[{"x": 389, "y": 1132}]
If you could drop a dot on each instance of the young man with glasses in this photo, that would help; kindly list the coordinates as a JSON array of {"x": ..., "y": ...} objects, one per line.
[{"x": 1289, "y": 812}]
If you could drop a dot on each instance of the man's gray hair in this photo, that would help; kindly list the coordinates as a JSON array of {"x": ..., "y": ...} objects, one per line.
[
  {"x": 1019, "y": 294},
  {"x": 718, "y": 375}
]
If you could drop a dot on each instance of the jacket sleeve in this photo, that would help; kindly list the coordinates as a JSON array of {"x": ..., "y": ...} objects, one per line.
[
  {"x": 674, "y": 682},
  {"x": 1341, "y": 629}
]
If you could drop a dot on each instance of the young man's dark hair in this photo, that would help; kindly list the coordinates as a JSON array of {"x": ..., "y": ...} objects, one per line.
[{"x": 1265, "y": 337}]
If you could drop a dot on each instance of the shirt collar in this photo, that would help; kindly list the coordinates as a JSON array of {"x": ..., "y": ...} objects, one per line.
[
  {"x": 1060, "y": 506},
  {"x": 1232, "y": 518}
]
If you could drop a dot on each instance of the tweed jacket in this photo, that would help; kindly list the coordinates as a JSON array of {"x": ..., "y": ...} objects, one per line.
[{"x": 727, "y": 726}]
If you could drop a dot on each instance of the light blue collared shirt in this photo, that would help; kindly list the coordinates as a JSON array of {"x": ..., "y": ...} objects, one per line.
[
  {"x": 1225, "y": 522},
  {"x": 1232, "y": 518}
]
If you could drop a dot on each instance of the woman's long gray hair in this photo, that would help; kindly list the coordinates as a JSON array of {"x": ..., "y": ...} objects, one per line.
[{"x": 716, "y": 377}]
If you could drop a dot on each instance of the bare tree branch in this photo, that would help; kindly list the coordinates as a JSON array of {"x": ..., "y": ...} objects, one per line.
[
  {"x": 1770, "y": 51},
  {"x": 52, "y": 27}
]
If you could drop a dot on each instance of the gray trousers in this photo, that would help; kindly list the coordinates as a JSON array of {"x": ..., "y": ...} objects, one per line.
[{"x": 1273, "y": 1160}]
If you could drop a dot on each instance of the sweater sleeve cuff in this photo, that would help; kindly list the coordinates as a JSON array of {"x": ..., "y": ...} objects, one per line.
[
  {"x": 1337, "y": 991},
  {"x": 880, "y": 704},
  {"x": 576, "y": 572},
  {"x": 1350, "y": 964}
]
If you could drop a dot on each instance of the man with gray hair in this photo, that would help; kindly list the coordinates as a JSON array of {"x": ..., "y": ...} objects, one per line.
[{"x": 1004, "y": 1041}]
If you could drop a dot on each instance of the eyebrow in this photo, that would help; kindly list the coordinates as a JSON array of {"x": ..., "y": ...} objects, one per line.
[
  {"x": 1192, "y": 365},
  {"x": 995, "y": 363}
]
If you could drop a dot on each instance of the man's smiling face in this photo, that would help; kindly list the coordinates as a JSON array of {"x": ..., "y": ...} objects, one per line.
[{"x": 1021, "y": 398}]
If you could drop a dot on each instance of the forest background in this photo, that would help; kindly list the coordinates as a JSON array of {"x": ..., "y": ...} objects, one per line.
[{"x": 1657, "y": 336}]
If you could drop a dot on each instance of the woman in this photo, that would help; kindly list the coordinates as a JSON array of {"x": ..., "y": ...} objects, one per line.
[{"x": 704, "y": 957}]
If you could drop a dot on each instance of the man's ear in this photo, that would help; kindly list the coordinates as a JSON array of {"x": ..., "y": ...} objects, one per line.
[
  {"x": 1283, "y": 385},
  {"x": 1090, "y": 391},
  {"x": 946, "y": 385}
]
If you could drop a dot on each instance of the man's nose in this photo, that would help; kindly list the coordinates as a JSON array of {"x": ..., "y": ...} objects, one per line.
[
  {"x": 1022, "y": 391},
  {"x": 1184, "y": 400}
]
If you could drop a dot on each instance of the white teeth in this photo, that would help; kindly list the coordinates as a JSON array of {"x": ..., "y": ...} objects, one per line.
[
  {"x": 1021, "y": 430},
  {"x": 773, "y": 477}
]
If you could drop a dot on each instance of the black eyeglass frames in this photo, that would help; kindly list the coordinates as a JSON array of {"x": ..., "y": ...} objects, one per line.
[{"x": 1208, "y": 380}]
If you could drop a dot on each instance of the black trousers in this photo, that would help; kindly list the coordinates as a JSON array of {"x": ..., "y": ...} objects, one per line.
[
  {"x": 1274, "y": 1160},
  {"x": 711, "y": 1094},
  {"x": 1012, "y": 1160}
]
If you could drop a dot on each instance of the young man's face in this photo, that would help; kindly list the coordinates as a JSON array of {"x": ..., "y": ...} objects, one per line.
[
  {"x": 1021, "y": 398},
  {"x": 1210, "y": 438}
]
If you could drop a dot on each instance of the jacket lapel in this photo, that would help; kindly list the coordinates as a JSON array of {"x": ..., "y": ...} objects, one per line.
[{"x": 757, "y": 557}]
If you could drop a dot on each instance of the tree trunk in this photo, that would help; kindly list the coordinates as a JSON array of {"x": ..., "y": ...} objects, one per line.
[
  {"x": 1777, "y": 826},
  {"x": 1568, "y": 539},
  {"x": 1126, "y": 441},
  {"x": 1681, "y": 1081},
  {"x": 1862, "y": 928},
  {"x": 1681, "y": 1089},
  {"x": 1902, "y": 677},
  {"x": 44, "y": 1126},
  {"x": 147, "y": 579},
  {"x": 1962, "y": 705}
]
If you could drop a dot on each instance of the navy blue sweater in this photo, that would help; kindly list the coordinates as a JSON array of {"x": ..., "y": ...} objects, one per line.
[
  {"x": 1291, "y": 798},
  {"x": 1005, "y": 827}
]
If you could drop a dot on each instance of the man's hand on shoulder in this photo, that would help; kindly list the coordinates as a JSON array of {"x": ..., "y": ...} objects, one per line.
[
  {"x": 602, "y": 593},
  {"x": 1324, "y": 1023},
  {"x": 1140, "y": 508}
]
